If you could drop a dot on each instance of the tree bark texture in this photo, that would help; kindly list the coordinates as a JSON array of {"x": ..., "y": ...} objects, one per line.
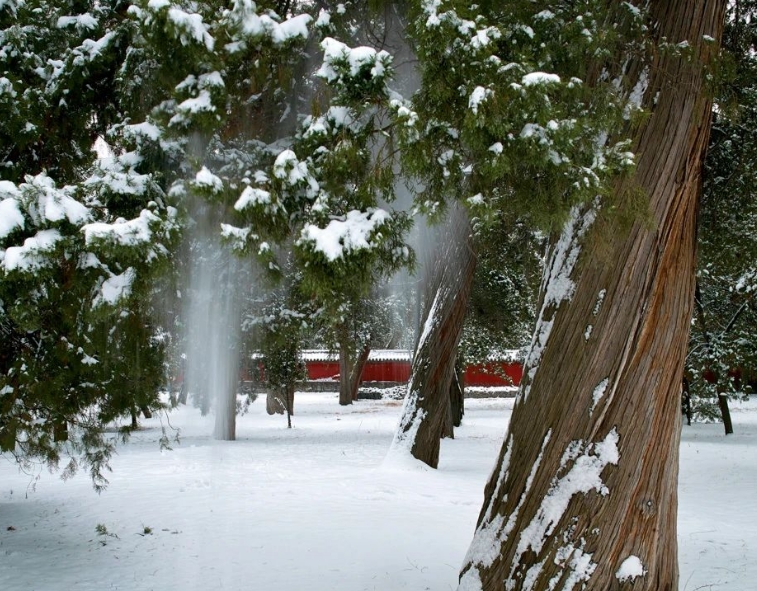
[
  {"x": 426, "y": 412},
  {"x": 586, "y": 483}
]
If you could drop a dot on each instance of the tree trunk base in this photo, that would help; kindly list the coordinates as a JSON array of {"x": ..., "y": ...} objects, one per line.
[
  {"x": 725, "y": 412},
  {"x": 275, "y": 404}
]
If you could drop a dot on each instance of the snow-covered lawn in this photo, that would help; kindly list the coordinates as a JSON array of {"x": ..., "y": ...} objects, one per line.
[{"x": 317, "y": 508}]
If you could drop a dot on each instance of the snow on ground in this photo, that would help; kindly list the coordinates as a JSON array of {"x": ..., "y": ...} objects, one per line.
[
  {"x": 317, "y": 508},
  {"x": 717, "y": 518}
]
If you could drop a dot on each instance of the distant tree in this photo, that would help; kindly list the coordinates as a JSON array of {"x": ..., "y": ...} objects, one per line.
[
  {"x": 369, "y": 324},
  {"x": 427, "y": 414},
  {"x": 723, "y": 350},
  {"x": 282, "y": 325},
  {"x": 505, "y": 289},
  {"x": 329, "y": 189}
]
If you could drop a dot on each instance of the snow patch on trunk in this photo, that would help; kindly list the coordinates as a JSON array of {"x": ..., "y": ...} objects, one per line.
[
  {"x": 581, "y": 567},
  {"x": 470, "y": 581},
  {"x": 502, "y": 476},
  {"x": 490, "y": 535},
  {"x": 631, "y": 568},
  {"x": 596, "y": 396},
  {"x": 431, "y": 320},
  {"x": 400, "y": 452},
  {"x": 598, "y": 305},
  {"x": 583, "y": 477},
  {"x": 557, "y": 286},
  {"x": 637, "y": 94}
]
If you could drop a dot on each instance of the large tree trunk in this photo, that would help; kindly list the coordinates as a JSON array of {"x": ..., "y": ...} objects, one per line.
[
  {"x": 584, "y": 490},
  {"x": 426, "y": 412}
]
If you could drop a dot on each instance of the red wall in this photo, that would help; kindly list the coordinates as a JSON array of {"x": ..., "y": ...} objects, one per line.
[
  {"x": 386, "y": 371},
  {"x": 490, "y": 374},
  {"x": 399, "y": 371},
  {"x": 322, "y": 370}
]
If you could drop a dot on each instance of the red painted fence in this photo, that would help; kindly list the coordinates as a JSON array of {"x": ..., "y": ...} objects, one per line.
[{"x": 388, "y": 365}]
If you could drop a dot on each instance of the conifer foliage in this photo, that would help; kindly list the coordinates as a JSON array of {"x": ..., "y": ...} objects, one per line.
[
  {"x": 190, "y": 102},
  {"x": 511, "y": 115},
  {"x": 162, "y": 85},
  {"x": 723, "y": 352},
  {"x": 331, "y": 190},
  {"x": 79, "y": 237}
]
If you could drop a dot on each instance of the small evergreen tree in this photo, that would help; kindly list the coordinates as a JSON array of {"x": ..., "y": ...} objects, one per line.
[
  {"x": 328, "y": 190},
  {"x": 281, "y": 348},
  {"x": 502, "y": 307}
]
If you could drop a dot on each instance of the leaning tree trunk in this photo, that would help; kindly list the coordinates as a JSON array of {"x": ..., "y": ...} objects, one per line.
[
  {"x": 426, "y": 412},
  {"x": 457, "y": 396},
  {"x": 356, "y": 375},
  {"x": 583, "y": 495},
  {"x": 345, "y": 371},
  {"x": 455, "y": 409}
]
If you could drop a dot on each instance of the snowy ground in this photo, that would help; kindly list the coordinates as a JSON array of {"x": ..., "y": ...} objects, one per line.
[{"x": 315, "y": 507}]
